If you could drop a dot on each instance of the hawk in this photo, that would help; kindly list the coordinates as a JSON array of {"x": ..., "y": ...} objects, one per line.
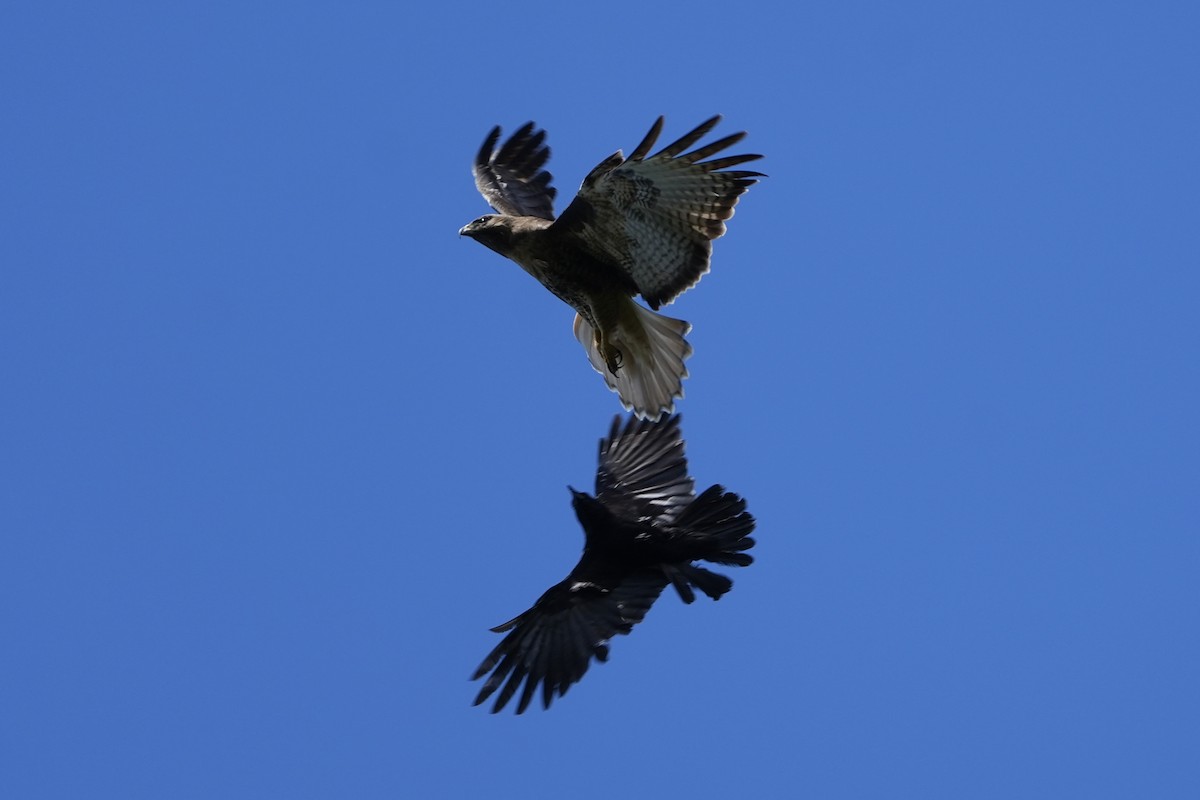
[
  {"x": 638, "y": 225},
  {"x": 642, "y": 531}
]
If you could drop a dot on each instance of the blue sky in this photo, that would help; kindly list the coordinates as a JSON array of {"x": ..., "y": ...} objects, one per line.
[{"x": 277, "y": 447}]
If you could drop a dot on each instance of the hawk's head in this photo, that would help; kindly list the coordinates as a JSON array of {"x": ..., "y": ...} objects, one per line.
[{"x": 492, "y": 230}]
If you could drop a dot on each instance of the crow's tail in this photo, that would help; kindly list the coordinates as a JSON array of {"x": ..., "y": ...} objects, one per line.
[{"x": 717, "y": 528}]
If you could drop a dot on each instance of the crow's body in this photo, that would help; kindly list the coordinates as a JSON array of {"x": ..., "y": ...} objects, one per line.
[{"x": 643, "y": 530}]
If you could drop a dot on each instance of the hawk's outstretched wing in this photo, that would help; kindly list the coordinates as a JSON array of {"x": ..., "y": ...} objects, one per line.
[
  {"x": 656, "y": 217},
  {"x": 553, "y": 643},
  {"x": 643, "y": 471},
  {"x": 511, "y": 179}
]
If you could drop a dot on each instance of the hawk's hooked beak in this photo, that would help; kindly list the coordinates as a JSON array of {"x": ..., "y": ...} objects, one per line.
[{"x": 465, "y": 230}]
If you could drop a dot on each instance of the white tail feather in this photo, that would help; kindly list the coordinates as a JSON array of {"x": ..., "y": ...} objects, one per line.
[{"x": 653, "y": 350}]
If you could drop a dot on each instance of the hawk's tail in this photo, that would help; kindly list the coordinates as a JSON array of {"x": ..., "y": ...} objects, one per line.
[{"x": 652, "y": 348}]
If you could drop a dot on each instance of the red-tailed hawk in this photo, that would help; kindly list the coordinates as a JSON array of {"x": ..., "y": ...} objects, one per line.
[
  {"x": 639, "y": 225},
  {"x": 642, "y": 530}
]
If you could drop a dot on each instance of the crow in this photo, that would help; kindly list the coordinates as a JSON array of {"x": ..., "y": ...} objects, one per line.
[{"x": 642, "y": 531}]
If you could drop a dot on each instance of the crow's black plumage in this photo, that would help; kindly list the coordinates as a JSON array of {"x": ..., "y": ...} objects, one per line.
[{"x": 643, "y": 530}]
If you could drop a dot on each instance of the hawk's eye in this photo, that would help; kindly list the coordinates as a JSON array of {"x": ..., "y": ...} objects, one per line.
[{"x": 480, "y": 221}]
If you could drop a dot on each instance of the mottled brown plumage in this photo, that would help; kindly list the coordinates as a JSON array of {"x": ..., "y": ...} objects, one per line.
[{"x": 639, "y": 225}]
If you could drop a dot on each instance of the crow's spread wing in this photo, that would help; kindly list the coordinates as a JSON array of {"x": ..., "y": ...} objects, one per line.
[
  {"x": 511, "y": 178},
  {"x": 643, "y": 471},
  {"x": 656, "y": 217},
  {"x": 553, "y": 643}
]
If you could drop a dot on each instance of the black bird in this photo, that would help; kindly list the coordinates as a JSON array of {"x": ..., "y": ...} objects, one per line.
[{"x": 642, "y": 530}]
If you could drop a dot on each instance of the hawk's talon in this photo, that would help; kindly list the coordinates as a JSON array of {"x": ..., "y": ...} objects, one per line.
[{"x": 614, "y": 361}]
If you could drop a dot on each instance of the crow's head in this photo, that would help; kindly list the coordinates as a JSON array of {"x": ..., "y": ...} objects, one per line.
[{"x": 590, "y": 511}]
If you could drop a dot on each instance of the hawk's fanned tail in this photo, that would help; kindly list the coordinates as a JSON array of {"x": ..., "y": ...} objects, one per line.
[{"x": 653, "y": 350}]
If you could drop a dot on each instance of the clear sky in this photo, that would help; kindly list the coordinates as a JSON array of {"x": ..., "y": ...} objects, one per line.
[{"x": 277, "y": 447}]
